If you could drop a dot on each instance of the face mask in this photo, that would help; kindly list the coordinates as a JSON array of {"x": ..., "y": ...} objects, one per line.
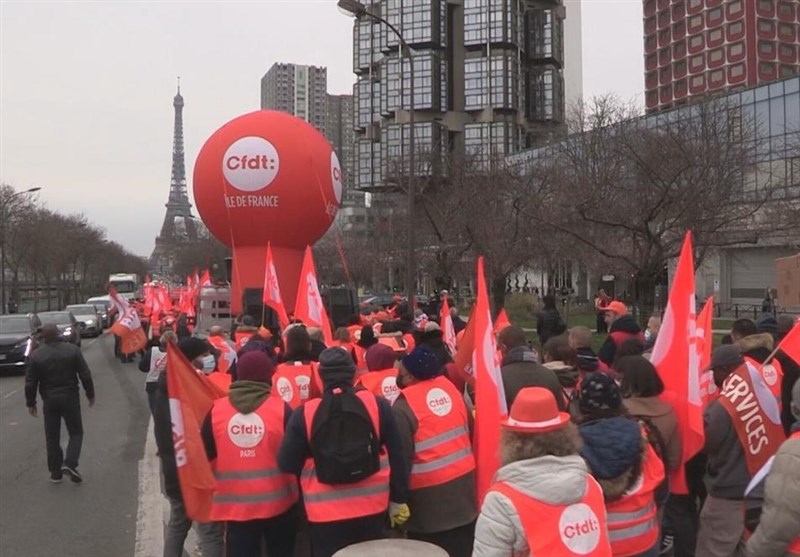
[
  {"x": 648, "y": 335},
  {"x": 209, "y": 363}
]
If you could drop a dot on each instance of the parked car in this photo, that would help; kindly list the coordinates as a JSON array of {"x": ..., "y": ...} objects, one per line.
[
  {"x": 87, "y": 314},
  {"x": 67, "y": 324},
  {"x": 18, "y": 338},
  {"x": 103, "y": 305}
]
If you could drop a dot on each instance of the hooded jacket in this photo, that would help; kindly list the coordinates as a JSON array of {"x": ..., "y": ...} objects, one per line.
[
  {"x": 549, "y": 479},
  {"x": 621, "y": 330},
  {"x": 520, "y": 369},
  {"x": 780, "y": 515},
  {"x": 613, "y": 449}
]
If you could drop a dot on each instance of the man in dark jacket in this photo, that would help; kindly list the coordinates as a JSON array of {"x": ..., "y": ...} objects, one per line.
[
  {"x": 211, "y": 535},
  {"x": 521, "y": 367},
  {"x": 622, "y": 327},
  {"x": 337, "y": 370},
  {"x": 54, "y": 370},
  {"x": 549, "y": 324}
]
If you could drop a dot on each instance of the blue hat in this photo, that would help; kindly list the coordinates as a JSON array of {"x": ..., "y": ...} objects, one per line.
[{"x": 422, "y": 364}]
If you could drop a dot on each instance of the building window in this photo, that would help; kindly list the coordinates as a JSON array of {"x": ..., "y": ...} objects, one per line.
[
  {"x": 680, "y": 68},
  {"x": 766, "y": 7},
  {"x": 696, "y": 43},
  {"x": 766, "y": 49},
  {"x": 737, "y": 70},
  {"x": 786, "y": 32},
  {"x": 697, "y": 63},
  {"x": 716, "y": 57},
  {"x": 735, "y": 51},
  {"x": 766, "y": 28},
  {"x": 715, "y": 37},
  {"x": 786, "y": 11},
  {"x": 694, "y": 6},
  {"x": 678, "y": 11},
  {"x": 714, "y": 17},
  {"x": 735, "y": 8}
]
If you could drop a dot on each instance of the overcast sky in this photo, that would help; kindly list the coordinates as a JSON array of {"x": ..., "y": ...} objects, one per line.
[{"x": 86, "y": 88}]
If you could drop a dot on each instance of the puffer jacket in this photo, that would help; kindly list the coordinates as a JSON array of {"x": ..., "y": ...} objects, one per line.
[
  {"x": 549, "y": 479},
  {"x": 780, "y": 515},
  {"x": 613, "y": 449}
]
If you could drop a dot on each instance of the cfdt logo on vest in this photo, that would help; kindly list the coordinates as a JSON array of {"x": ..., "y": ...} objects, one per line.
[
  {"x": 579, "y": 529},
  {"x": 439, "y": 402},
  {"x": 246, "y": 430},
  {"x": 250, "y": 163}
]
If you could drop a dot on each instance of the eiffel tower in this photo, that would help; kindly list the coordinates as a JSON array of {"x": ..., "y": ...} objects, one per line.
[{"x": 179, "y": 225}]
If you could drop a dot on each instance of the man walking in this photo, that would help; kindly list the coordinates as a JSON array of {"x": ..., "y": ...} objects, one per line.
[{"x": 54, "y": 370}]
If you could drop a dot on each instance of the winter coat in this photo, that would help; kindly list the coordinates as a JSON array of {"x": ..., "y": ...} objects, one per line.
[
  {"x": 613, "y": 449},
  {"x": 54, "y": 369},
  {"x": 780, "y": 515},
  {"x": 662, "y": 416},
  {"x": 621, "y": 330},
  {"x": 726, "y": 473},
  {"x": 162, "y": 425},
  {"x": 549, "y": 325},
  {"x": 434, "y": 341},
  {"x": 758, "y": 347},
  {"x": 549, "y": 479},
  {"x": 520, "y": 369}
]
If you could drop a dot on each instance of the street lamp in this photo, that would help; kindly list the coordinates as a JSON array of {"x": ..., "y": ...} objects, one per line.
[
  {"x": 3, "y": 305},
  {"x": 358, "y": 10}
]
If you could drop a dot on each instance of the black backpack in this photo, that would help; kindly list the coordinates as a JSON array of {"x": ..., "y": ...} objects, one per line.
[{"x": 343, "y": 441}]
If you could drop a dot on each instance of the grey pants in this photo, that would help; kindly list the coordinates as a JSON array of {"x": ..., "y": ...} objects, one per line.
[
  {"x": 211, "y": 535},
  {"x": 721, "y": 527}
]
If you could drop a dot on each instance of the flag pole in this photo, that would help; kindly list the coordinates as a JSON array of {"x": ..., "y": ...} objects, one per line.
[{"x": 263, "y": 312}]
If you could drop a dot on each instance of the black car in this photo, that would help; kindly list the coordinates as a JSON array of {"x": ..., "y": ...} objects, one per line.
[
  {"x": 67, "y": 325},
  {"x": 18, "y": 334}
]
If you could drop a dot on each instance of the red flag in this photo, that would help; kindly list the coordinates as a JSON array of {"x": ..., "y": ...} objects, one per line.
[
  {"x": 677, "y": 359},
  {"x": 791, "y": 343},
  {"x": 448, "y": 330},
  {"x": 490, "y": 400},
  {"x": 127, "y": 327},
  {"x": 309, "y": 307},
  {"x": 272, "y": 291},
  {"x": 502, "y": 321},
  {"x": 466, "y": 348},
  {"x": 191, "y": 397},
  {"x": 704, "y": 345},
  {"x": 205, "y": 279},
  {"x": 164, "y": 300}
]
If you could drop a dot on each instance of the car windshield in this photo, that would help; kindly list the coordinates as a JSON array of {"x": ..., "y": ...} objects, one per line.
[
  {"x": 124, "y": 286},
  {"x": 104, "y": 303},
  {"x": 57, "y": 318},
  {"x": 9, "y": 325},
  {"x": 82, "y": 310}
]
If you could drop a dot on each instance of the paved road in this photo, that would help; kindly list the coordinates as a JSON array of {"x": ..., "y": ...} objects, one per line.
[{"x": 98, "y": 517}]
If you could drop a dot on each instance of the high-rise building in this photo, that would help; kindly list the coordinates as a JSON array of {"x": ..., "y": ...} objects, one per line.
[
  {"x": 339, "y": 131},
  {"x": 488, "y": 81},
  {"x": 298, "y": 90},
  {"x": 179, "y": 223},
  {"x": 573, "y": 53},
  {"x": 693, "y": 47}
]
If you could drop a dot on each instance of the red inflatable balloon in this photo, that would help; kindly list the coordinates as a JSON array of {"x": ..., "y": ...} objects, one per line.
[{"x": 267, "y": 177}]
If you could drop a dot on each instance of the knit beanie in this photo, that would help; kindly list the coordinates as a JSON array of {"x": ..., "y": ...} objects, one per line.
[
  {"x": 336, "y": 366},
  {"x": 255, "y": 366},
  {"x": 367, "y": 338},
  {"x": 193, "y": 347},
  {"x": 379, "y": 357},
  {"x": 422, "y": 364},
  {"x": 599, "y": 392}
]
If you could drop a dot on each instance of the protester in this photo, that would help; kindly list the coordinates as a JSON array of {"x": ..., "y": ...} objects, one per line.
[
  {"x": 620, "y": 457},
  {"x": 154, "y": 363},
  {"x": 621, "y": 328},
  {"x": 252, "y": 497},
  {"x": 651, "y": 332},
  {"x": 226, "y": 355},
  {"x": 295, "y": 379},
  {"x": 549, "y": 322},
  {"x": 520, "y": 367},
  {"x": 641, "y": 388},
  {"x": 210, "y": 534},
  {"x": 791, "y": 373},
  {"x": 342, "y": 511},
  {"x": 580, "y": 338},
  {"x": 728, "y": 474},
  {"x": 244, "y": 331},
  {"x": 317, "y": 342},
  {"x": 435, "y": 425},
  {"x": 562, "y": 359},
  {"x": 601, "y": 301},
  {"x": 381, "y": 377},
  {"x": 542, "y": 479},
  {"x": 757, "y": 341},
  {"x": 53, "y": 370},
  {"x": 458, "y": 323},
  {"x": 778, "y": 533},
  {"x": 432, "y": 339}
]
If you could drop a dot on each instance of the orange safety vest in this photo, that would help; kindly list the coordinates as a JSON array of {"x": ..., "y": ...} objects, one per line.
[
  {"x": 442, "y": 447},
  {"x": 227, "y": 355},
  {"x": 221, "y": 380},
  {"x": 772, "y": 374},
  {"x": 408, "y": 339},
  {"x": 355, "y": 332},
  {"x": 329, "y": 503},
  {"x": 295, "y": 383},
  {"x": 240, "y": 339},
  {"x": 632, "y": 522},
  {"x": 249, "y": 484},
  {"x": 581, "y": 527},
  {"x": 361, "y": 357},
  {"x": 382, "y": 383}
]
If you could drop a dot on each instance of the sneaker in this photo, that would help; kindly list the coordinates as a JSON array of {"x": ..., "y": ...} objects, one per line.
[
  {"x": 667, "y": 545},
  {"x": 56, "y": 477},
  {"x": 73, "y": 474}
]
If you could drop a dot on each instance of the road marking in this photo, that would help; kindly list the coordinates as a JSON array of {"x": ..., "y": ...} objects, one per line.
[
  {"x": 149, "y": 527},
  {"x": 12, "y": 393}
]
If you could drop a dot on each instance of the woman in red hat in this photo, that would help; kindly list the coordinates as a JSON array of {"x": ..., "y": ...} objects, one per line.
[{"x": 544, "y": 502}]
